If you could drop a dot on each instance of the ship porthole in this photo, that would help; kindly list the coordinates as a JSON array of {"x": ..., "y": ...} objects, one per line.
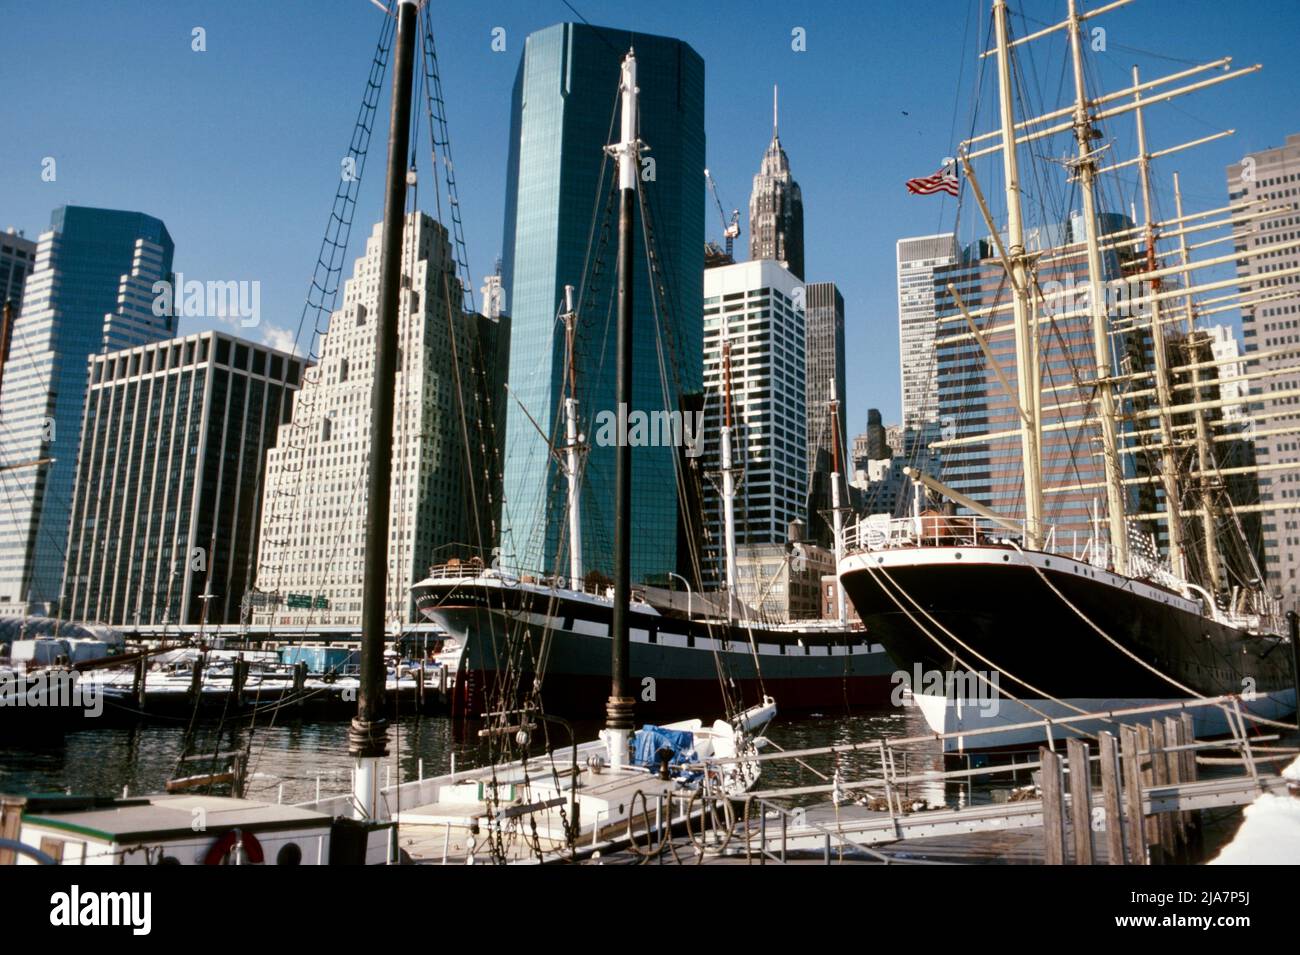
[
  {"x": 957, "y": 555},
  {"x": 1006, "y": 557}
]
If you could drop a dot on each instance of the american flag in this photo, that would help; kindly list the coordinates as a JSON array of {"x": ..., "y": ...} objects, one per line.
[{"x": 945, "y": 180}]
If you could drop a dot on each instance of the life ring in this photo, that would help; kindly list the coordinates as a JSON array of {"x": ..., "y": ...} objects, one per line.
[{"x": 222, "y": 848}]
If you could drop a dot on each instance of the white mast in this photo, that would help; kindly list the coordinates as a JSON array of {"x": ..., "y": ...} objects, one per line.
[
  {"x": 572, "y": 446},
  {"x": 1168, "y": 465},
  {"x": 1086, "y": 169},
  {"x": 837, "y": 515}
]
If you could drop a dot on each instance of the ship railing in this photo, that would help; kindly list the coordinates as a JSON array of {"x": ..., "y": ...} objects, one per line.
[
  {"x": 873, "y": 533},
  {"x": 459, "y": 570}
]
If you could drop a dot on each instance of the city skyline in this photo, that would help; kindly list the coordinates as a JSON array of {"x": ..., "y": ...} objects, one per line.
[{"x": 278, "y": 155}]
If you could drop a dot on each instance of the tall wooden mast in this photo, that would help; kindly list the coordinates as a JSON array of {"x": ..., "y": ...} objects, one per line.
[
  {"x": 1026, "y": 350},
  {"x": 1086, "y": 170},
  {"x": 1164, "y": 398},
  {"x": 368, "y": 735}
]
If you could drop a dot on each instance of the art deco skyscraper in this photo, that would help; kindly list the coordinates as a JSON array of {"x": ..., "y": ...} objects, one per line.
[
  {"x": 445, "y": 486},
  {"x": 776, "y": 208}
]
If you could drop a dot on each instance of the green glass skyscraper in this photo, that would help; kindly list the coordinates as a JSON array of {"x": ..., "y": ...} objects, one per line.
[{"x": 561, "y": 229}]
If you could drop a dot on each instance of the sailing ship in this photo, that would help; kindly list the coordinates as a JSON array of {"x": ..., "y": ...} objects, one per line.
[
  {"x": 680, "y": 651},
  {"x": 1020, "y": 623}
]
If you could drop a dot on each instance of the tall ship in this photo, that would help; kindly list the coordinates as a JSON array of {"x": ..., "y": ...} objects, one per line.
[
  {"x": 1147, "y": 589},
  {"x": 550, "y": 634},
  {"x": 548, "y": 631}
]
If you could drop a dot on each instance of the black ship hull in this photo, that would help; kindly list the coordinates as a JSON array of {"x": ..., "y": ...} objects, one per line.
[
  {"x": 674, "y": 666},
  {"x": 1049, "y": 628}
]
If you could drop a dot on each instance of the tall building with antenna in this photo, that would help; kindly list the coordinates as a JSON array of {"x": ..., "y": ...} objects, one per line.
[
  {"x": 561, "y": 229},
  {"x": 776, "y": 208}
]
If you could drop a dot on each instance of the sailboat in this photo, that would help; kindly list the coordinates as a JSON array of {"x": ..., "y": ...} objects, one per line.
[{"x": 1004, "y": 621}]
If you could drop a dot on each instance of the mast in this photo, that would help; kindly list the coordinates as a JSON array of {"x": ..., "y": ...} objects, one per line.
[
  {"x": 618, "y": 708},
  {"x": 728, "y": 481},
  {"x": 1087, "y": 171},
  {"x": 1026, "y": 350},
  {"x": 837, "y": 513},
  {"x": 572, "y": 448},
  {"x": 1168, "y": 465},
  {"x": 1202, "y": 431},
  {"x": 368, "y": 734}
]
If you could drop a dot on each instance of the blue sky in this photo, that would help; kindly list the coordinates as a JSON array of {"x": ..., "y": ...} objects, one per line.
[{"x": 237, "y": 148}]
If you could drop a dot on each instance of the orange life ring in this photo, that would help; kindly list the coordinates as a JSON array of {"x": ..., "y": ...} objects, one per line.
[{"x": 222, "y": 848}]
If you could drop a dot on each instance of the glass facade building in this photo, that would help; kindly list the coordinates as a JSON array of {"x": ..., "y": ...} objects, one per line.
[
  {"x": 824, "y": 308},
  {"x": 92, "y": 291},
  {"x": 561, "y": 229}
]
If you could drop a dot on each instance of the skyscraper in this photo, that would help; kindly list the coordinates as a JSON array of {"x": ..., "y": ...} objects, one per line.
[
  {"x": 17, "y": 259},
  {"x": 165, "y": 509},
  {"x": 754, "y": 305},
  {"x": 92, "y": 291},
  {"x": 445, "y": 495},
  {"x": 824, "y": 318},
  {"x": 776, "y": 208},
  {"x": 1272, "y": 176},
  {"x": 561, "y": 229},
  {"x": 918, "y": 258}
]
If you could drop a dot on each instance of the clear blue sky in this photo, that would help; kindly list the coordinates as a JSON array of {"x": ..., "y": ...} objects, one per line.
[{"x": 237, "y": 148}]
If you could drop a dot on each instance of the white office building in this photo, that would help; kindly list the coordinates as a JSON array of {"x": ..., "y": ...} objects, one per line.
[
  {"x": 918, "y": 258},
  {"x": 1272, "y": 328},
  {"x": 757, "y": 307}
]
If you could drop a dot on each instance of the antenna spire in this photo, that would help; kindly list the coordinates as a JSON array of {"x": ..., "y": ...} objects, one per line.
[{"x": 774, "y": 111}]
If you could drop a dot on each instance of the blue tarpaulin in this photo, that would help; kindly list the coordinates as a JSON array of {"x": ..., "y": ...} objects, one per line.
[{"x": 651, "y": 739}]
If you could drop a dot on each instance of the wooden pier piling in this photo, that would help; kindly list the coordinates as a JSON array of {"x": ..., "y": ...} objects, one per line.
[
  {"x": 1112, "y": 798},
  {"x": 1053, "y": 807},
  {"x": 1080, "y": 800}
]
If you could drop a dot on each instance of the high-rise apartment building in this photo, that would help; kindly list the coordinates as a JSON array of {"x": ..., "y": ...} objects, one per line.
[
  {"x": 776, "y": 208},
  {"x": 918, "y": 259},
  {"x": 168, "y": 490},
  {"x": 92, "y": 291},
  {"x": 755, "y": 307},
  {"x": 1272, "y": 176},
  {"x": 561, "y": 229},
  {"x": 444, "y": 485}
]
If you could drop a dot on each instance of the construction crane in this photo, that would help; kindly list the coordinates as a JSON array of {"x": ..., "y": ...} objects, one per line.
[{"x": 729, "y": 229}]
